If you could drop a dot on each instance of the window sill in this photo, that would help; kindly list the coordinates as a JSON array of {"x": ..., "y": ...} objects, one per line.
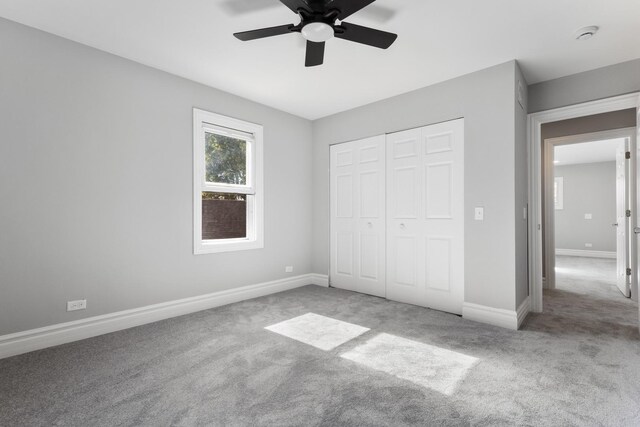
[{"x": 231, "y": 245}]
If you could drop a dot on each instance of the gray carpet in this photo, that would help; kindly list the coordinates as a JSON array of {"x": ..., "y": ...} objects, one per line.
[{"x": 576, "y": 364}]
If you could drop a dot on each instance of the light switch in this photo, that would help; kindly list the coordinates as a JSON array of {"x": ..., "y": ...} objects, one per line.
[
  {"x": 588, "y": 216},
  {"x": 479, "y": 214}
]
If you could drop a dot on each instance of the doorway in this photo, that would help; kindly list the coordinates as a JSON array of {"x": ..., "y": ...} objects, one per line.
[
  {"x": 591, "y": 194},
  {"x": 541, "y": 181}
]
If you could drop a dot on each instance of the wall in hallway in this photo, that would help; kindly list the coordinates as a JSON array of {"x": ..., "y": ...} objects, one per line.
[
  {"x": 588, "y": 124},
  {"x": 588, "y": 188}
]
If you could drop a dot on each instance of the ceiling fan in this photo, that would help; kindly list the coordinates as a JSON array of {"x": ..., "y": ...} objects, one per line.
[{"x": 318, "y": 23}]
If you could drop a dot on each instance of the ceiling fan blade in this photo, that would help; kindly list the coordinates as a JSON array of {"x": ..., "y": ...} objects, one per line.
[
  {"x": 348, "y": 7},
  {"x": 315, "y": 54},
  {"x": 365, "y": 35},
  {"x": 264, "y": 32},
  {"x": 294, "y": 5}
]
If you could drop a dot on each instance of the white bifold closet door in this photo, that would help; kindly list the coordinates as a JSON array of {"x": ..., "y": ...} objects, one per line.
[
  {"x": 425, "y": 216},
  {"x": 397, "y": 225},
  {"x": 358, "y": 206}
]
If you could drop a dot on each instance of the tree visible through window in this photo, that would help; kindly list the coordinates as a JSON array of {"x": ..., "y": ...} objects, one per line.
[{"x": 225, "y": 159}]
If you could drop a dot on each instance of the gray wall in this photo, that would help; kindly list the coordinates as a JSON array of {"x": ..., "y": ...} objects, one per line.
[
  {"x": 96, "y": 184},
  {"x": 486, "y": 101},
  {"x": 522, "y": 190},
  {"x": 588, "y": 188},
  {"x": 601, "y": 83}
]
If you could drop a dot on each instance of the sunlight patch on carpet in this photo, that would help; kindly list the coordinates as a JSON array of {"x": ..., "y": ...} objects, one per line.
[
  {"x": 423, "y": 364},
  {"x": 319, "y": 331}
]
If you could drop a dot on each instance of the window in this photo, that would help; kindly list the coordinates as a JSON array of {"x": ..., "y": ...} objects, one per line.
[
  {"x": 558, "y": 192},
  {"x": 227, "y": 183}
]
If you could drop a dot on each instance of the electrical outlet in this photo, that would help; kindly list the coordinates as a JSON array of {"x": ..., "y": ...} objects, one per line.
[
  {"x": 588, "y": 245},
  {"x": 80, "y": 304},
  {"x": 479, "y": 214},
  {"x": 288, "y": 269},
  {"x": 588, "y": 216}
]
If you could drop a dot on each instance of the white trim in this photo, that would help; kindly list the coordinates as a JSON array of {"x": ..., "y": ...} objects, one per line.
[
  {"x": 254, "y": 188},
  {"x": 586, "y": 254},
  {"x": 319, "y": 279},
  {"x": 523, "y": 311},
  {"x": 535, "y": 121},
  {"x": 493, "y": 316},
  {"x": 48, "y": 336}
]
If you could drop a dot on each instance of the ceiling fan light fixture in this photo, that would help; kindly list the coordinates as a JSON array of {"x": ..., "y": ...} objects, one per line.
[{"x": 317, "y": 32}]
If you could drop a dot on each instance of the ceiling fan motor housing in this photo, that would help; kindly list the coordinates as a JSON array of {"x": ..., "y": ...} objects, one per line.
[{"x": 318, "y": 26}]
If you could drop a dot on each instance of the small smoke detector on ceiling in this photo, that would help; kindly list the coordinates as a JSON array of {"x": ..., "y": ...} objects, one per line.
[{"x": 586, "y": 33}]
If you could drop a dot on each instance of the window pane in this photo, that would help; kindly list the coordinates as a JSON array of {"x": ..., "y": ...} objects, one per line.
[
  {"x": 225, "y": 159},
  {"x": 224, "y": 216}
]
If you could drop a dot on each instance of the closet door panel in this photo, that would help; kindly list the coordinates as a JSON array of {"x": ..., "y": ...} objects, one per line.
[
  {"x": 425, "y": 218},
  {"x": 342, "y": 232},
  {"x": 357, "y": 223},
  {"x": 369, "y": 251},
  {"x": 370, "y": 223},
  {"x": 443, "y": 160},
  {"x": 438, "y": 190},
  {"x": 344, "y": 254},
  {"x": 438, "y": 263},
  {"x": 404, "y": 229}
]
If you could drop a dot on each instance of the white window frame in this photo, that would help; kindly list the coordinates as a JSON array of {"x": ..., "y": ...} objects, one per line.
[{"x": 204, "y": 121}]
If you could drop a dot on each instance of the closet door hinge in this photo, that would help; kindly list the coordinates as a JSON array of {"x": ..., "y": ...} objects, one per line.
[
  {"x": 628, "y": 272},
  {"x": 628, "y": 213},
  {"x": 627, "y": 155}
]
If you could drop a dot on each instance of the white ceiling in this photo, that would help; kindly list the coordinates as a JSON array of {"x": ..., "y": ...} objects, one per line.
[
  {"x": 438, "y": 40},
  {"x": 586, "y": 152}
]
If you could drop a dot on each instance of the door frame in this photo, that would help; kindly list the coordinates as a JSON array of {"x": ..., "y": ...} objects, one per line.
[
  {"x": 547, "y": 193},
  {"x": 534, "y": 151}
]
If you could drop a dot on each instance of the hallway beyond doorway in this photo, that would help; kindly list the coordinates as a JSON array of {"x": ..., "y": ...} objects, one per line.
[
  {"x": 591, "y": 276},
  {"x": 586, "y": 299}
]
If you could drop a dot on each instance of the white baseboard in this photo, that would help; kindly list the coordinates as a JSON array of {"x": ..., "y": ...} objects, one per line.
[
  {"x": 493, "y": 316},
  {"x": 319, "y": 279},
  {"x": 48, "y": 336},
  {"x": 510, "y": 319},
  {"x": 523, "y": 310},
  {"x": 585, "y": 253}
]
